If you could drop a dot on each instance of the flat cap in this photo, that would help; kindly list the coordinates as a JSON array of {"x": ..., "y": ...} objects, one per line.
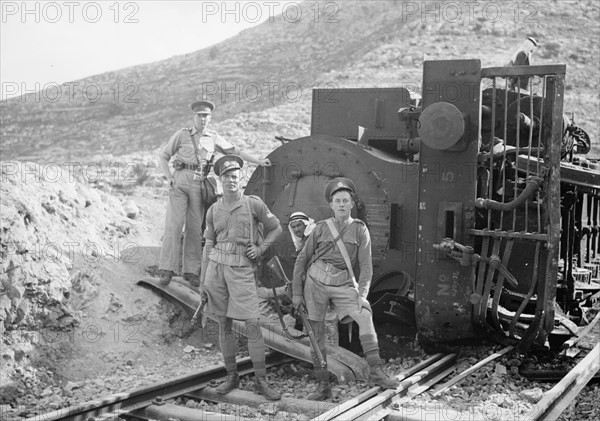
[
  {"x": 199, "y": 105},
  {"x": 337, "y": 184},
  {"x": 228, "y": 163}
]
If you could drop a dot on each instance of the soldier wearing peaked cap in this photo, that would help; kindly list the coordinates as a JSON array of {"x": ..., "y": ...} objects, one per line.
[
  {"x": 192, "y": 152},
  {"x": 228, "y": 263},
  {"x": 336, "y": 248}
]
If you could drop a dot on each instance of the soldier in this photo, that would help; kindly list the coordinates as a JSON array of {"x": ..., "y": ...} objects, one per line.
[
  {"x": 332, "y": 243},
  {"x": 192, "y": 149},
  {"x": 227, "y": 276}
]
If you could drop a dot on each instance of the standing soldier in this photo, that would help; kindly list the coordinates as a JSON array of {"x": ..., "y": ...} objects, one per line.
[
  {"x": 227, "y": 276},
  {"x": 192, "y": 149},
  {"x": 335, "y": 249}
]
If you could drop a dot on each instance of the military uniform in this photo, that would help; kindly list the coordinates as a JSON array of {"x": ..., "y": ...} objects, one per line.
[
  {"x": 228, "y": 275},
  {"x": 328, "y": 279},
  {"x": 230, "y": 283},
  {"x": 185, "y": 207}
]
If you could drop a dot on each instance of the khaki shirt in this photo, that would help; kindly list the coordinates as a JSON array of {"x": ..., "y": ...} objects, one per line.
[
  {"x": 230, "y": 229},
  {"x": 181, "y": 148},
  {"x": 357, "y": 240}
]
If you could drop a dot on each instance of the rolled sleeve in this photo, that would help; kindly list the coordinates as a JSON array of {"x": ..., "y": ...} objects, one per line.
[
  {"x": 224, "y": 146},
  {"x": 264, "y": 215},
  {"x": 171, "y": 147},
  {"x": 209, "y": 231},
  {"x": 365, "y": 262}
]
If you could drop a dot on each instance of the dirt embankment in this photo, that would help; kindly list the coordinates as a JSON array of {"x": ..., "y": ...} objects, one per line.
[{"x": 70, "y": 310}]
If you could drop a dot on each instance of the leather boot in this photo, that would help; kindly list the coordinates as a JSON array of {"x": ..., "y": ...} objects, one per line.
[
  {"x": 261, "y": 387},
  {"x": 322, "y": 392},
  {"x": 192, "y": 278},
  {"x": 165, "y": 277},
  {"x": 231, "y": 382},
  {"x": 379, "y": 378}
]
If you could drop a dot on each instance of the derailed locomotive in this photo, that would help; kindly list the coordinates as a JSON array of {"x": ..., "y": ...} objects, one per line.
[{"x": 474, "y": 203}]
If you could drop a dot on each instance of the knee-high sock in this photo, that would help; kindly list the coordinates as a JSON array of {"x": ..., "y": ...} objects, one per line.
[
  {"x": 318, "y": 328},
  {"x": 370, "y": 347},
  {"x": 227, "y": 343},
  {"x": 256, "y": 347}
]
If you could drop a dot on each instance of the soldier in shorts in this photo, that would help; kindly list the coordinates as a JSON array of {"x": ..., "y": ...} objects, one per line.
[
  {"x": 227, "y": 276},
  {"x": 328, "y": 280}
]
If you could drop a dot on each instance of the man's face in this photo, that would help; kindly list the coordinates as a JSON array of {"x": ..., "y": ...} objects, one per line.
[
  {"x": 230, "y": 181},
  {"x": 298, "y": 228},
  {"x": 202, "y": 118},
  {"x": 341, "y": 204}
]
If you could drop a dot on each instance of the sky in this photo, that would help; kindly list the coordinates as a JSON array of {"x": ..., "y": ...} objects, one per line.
[{"x": 43, "y": 43}]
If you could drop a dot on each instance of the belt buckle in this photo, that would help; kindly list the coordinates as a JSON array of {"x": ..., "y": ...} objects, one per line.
[
  {"x": 198, "y": 175},
  {"x": 199, "y": 172}
]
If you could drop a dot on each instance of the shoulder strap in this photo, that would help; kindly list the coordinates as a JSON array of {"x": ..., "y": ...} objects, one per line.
[
  {"x": 247, "y": 198},
  {"x": 341, "y": 246},
  {"x": 196, "y": 152}
]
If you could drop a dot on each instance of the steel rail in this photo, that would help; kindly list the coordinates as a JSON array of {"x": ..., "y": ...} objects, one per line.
[
  {"x": 138, "y": 398},
  {"x": 471, "y": 369},
  {"x": 556, "y": 400},
  {"x": 375, "y": 403}
]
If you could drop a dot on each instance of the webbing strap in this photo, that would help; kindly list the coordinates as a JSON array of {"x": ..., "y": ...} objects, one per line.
[{"x": 342, "y": 247}]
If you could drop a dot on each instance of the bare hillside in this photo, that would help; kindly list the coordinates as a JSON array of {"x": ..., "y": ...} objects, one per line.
[{"x": 375, "y": 43}]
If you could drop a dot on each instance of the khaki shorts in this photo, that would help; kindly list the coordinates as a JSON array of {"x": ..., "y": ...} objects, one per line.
[
  {"x": 319, "y": 290},
  {"x": 231, "y": 291}
]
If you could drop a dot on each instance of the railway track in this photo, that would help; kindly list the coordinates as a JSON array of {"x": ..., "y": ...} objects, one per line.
[
  {"x": 435, "y": 374},
  {"x": 159, "y": 402}
]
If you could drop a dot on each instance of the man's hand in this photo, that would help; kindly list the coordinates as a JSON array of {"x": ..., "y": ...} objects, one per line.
[
  {"x": 362, "y": 302},
  {"x": 297, "y": 300},
  {"x": 253, "y": 251},
  {"x": 202, "y": 291}
]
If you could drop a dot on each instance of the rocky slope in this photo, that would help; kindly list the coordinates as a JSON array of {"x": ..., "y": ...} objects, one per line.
[{"x": 375, "y": 43}]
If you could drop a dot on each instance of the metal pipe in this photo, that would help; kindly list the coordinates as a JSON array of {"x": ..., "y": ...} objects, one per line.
[{"x": 533, "y": 183}]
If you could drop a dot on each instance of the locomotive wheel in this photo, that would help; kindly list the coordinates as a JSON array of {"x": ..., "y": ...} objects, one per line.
[{"x": 393, "y": 299}]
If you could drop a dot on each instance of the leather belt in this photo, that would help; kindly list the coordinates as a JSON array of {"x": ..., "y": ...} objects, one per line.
[
  {"x": 192, "y": 167},
  {"x": 328, "y": 267}
]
